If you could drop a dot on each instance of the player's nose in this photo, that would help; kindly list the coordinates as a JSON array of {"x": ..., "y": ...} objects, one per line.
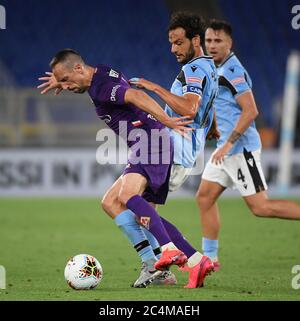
[{"x": 173, "y": 49}]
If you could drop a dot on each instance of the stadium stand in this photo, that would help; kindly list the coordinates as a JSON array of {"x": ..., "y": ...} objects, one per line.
[
  {"x": 263, "y": 39},
  {"x": 129, "y": 36}
]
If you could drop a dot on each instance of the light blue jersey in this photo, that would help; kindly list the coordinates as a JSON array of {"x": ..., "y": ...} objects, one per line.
[
  {"x": 198, "y": 77},
  {"x": 234, "y": 81}
]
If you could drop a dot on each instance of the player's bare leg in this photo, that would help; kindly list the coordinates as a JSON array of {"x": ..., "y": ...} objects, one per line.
[
  {"x": 110, "y": 202},
  {"x": 126, "y": 221},
  {"x": 207, "y": 196},
  {"x": 262, "y": 206}
]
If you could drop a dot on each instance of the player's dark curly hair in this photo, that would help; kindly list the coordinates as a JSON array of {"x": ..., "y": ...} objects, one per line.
[
  {"x": 216, "y": 24},
  {"x": 192, "y": 23}
]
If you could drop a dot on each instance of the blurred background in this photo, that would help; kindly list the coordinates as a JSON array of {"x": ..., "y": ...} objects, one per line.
[{"x": 48, "y": 144}]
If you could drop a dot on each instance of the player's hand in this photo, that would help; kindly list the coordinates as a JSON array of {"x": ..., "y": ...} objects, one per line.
[
  {"x": 49, "y": 83},
  {"x": 178, "y": 124},
  {"x": 143, "y": 83},
  {"x": 219, "y": 154}
]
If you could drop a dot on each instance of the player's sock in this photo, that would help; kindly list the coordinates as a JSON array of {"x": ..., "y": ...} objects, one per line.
[
  {"x": 210, "y": 248},
  {"x": 178, "y": 239},
  {"x": 153, "y": 242},
  {"x": 194, "y": 259},
  {"x": 148, "y": 215},
  {"x": 128, "y": 225}
]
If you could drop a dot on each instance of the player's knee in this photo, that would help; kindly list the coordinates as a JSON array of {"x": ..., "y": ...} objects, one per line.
[
  {"x": 107, "y": 203},
  {"x": 261, "y": 210},
  {"x": 202, "y": 198}
]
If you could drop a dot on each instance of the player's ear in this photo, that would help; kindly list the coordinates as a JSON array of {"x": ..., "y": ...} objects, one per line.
[
  {"x": 230, "y": 43},
  {"x": 196, "y": 41},
  {"x": 78, "y": 68}
]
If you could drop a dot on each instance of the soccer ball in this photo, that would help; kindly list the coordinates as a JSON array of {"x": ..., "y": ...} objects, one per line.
[{"x": 83, "y": 272}]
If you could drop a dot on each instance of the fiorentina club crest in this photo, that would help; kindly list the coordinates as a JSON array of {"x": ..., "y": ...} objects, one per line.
[{"x": 145, "y": 221}]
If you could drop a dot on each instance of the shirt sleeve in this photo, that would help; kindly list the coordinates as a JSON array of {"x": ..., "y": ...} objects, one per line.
[
  {"x": 195, "y": 79},
  {"x": 238, "y": 78},
  {"x": 112, "y": 92}
]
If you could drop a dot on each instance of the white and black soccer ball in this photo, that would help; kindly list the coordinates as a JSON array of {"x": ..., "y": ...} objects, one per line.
[{"x": 83, "y": 272}]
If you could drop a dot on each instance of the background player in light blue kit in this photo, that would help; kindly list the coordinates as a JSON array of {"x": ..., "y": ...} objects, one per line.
[{"x": 236, "y": 162}]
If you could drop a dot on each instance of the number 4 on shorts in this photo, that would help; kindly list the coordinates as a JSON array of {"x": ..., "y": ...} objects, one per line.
[{"x": 240, "y": 175}]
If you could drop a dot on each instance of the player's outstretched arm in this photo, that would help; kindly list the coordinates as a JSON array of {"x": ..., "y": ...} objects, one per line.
[
  {"x": 183, "y": 105},
  {"x": 50, "y": 83},
  {"x": 144, "y": 102}
]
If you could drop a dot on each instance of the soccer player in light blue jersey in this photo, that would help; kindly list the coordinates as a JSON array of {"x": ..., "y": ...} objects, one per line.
[
  {"x": 192, "y": 93},
  {"x": 236, "y": 161}
]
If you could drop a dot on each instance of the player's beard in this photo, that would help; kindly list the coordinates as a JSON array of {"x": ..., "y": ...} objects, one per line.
[{"x": 189, "y": 55}]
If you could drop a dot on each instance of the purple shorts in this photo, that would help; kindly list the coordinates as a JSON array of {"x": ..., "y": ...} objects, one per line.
[{"x": 157, "y": 175}]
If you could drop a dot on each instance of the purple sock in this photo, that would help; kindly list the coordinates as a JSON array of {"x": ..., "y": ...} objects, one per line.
[
  {"x": 178, "y": 239},
  {"x": 149, "y": 218}
]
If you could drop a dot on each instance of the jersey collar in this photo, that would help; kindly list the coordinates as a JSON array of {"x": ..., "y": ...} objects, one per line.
[
  {"x": 204, "y": 56},
  {"x": 230, "y": 56}
]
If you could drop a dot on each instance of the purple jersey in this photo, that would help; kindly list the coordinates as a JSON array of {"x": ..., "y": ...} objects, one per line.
[{"x": 107, "y": 91}]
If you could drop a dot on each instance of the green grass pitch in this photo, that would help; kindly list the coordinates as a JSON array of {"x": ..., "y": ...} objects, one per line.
[{"x": 37, "y": 237}]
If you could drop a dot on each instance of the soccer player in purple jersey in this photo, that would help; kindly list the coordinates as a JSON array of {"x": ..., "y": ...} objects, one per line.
[{"x": 142, "y": 184}]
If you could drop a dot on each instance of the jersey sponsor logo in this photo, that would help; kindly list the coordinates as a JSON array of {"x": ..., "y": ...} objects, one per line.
[
  {"x": 194, "y": 80},
  {"x": 194, "y": 68},
  {"x": 113, "y": 92},
  {"x": 106, "y": 118},
  {"x": 113, "y": 73},
  {"x": 149, "y": 116},
  {"x": 238, "y": 80}
]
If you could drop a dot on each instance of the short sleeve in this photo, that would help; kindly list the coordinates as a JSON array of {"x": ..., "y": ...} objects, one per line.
[
  {"x": 238, "y": 78},
  {"x": 194, "y": 78}
]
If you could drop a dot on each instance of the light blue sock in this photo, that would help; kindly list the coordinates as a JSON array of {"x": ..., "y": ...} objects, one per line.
[
  {"x": 153, "y": 242},
  {"x": 129, "y": 226},
  {"x": 210, "y": 248}
]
